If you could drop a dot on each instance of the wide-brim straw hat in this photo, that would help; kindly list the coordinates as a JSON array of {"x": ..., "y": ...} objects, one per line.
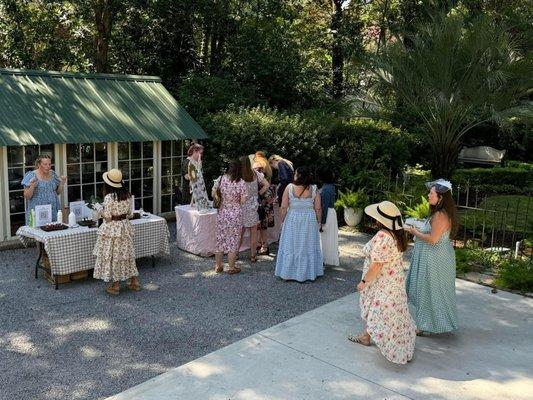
[
  {"x": 387, "y": 214},
  {"x": 113, "y": 177}
]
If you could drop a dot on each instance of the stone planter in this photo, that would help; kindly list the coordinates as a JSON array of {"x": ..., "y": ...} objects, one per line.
[{"x": 352, "y": 217}]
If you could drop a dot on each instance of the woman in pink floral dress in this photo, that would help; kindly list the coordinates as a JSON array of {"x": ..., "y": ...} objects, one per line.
[
  {"x": 383, "y": 299},
  {"x": 229, "y": 218}
]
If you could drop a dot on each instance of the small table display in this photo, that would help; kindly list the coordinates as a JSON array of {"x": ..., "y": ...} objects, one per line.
[{"x": 71, "y": 250}]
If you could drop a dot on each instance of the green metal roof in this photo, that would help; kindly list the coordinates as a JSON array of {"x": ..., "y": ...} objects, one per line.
[{"x": 53, "y": 107}]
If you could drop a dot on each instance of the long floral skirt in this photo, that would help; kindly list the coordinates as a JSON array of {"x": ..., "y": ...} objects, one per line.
[{"x": 115, "y": 258}]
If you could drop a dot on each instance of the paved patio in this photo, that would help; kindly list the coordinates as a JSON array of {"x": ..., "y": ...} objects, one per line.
[
  {"x": 80, "y": 343},
  {"x": 308, "y": 357}
]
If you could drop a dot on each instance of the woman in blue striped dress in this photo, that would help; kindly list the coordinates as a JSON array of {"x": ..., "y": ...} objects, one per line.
[
  {"x": 299, "y": 256},
  {"x": 431, "y": 279}
]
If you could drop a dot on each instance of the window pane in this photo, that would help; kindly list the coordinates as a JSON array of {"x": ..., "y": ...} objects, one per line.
[
  {"x": 15, "y": 156},
  {"x": 100, "y": 151},
  {"x": 124, "y": 166},
  {"x": 165, "y": 166},
  {"x": 123, "y": 151},
  {"x": 73, "y": 153},
  {"x": 17, "y": 221},
  {"x": 148, "y": 187},
  {"x": 87, "y": 173},
  {"x": 135, "y": 148},
  {"x": 16, "y": 201},
  {"x": 15, "y": 176},
  {"x": 73, "y": 174},
  {"x": 87, "y": 152},
  {"x": 176, "y": 148},
  {"x": 74, "y": 193},
  {"x": 87, "y": 192},
  {"x": 165, "y": 203},
  {"x": 100, "y": 168},
  {"x": 166, "y": 185},
  {"x": 136, "y": 187},
  {"x": 148, "y": 149},
  {"x": 166, "y": 148},
  {"x": 31, "y": 153},
  {"x": 138, "y": 203},
  {"x": 148, "y": 168},
  {"x": 148, "y": 204},
  {"x": 176, "y": 166},
  {"x": 135, "y": 169},
  {"x": 100, "y": 191}
]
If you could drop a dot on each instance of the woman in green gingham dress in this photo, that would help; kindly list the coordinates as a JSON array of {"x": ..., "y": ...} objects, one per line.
[{"x": 431, "y": 278}]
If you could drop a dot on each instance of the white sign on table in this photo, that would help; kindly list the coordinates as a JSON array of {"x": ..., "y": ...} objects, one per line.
[
  {"x": 43, "y": 215},
  {"x": 77, "y": 208}
]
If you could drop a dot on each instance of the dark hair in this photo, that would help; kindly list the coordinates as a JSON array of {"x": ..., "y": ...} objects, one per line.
[
  {"x": 327, "y": 176},
  {"x": 120, "y": 194},
  {"x": 399, "y": 236},
  {"x": 234, "y": 170},
  {"x": 447, "y": 206},
  {"x": 304, "y": 178},
  {"x": 194, "y": 147},
  {"x": 247, "y": 173}
]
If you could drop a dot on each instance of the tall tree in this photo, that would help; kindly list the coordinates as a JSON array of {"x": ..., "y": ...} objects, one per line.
[
  {"x": 104, "y": 14},
  {"x": 456, "y": 76},
  {"x": 337, "y": 53}
]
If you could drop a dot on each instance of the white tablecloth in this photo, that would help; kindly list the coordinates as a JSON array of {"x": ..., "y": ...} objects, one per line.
[
  {"x": 195, "y": 232},
  {"x": 70, "y": 250}
]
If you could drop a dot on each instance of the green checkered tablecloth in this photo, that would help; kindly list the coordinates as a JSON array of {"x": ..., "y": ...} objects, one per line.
[{"x": 70, "y": 250}]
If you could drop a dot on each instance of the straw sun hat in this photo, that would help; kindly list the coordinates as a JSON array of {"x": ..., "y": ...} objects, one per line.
[
  {"x": 387, "y": 214},
  {"x": 113, "y": 177}
]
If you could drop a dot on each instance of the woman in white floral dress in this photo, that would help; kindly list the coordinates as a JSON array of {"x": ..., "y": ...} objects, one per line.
[
  {"x": 383, "y": 299},
  {"x": 114, "y": 251}
]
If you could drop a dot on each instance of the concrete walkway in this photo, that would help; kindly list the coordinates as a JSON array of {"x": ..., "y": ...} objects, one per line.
[{"x": 308, "y": 357}]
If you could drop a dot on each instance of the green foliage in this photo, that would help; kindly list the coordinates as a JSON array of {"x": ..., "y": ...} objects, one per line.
[
  {"x": 361, "y": 152},
  {"x": 453, "y": 76},
  {"x": 352, "y": 199},
  {"x": 516, "y": 275},
  {"x": 511, "y": 179},
  {"x": 419, "y": 211}
]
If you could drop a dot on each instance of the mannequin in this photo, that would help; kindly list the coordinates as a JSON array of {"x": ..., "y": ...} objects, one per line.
[{"x": 196, "y": 178}]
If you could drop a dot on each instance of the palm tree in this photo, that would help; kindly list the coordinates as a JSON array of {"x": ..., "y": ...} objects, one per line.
[{"x": 454, "y": 76}]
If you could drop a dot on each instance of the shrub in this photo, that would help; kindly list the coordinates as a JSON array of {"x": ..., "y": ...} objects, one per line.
[
  {"x": 516, "y": 274},
  {"x": 360, "y": 152},
  {"x": 419, "y": 211},
  {"x": 351, "y": 199},
  {"x": 509, "y": 180}
]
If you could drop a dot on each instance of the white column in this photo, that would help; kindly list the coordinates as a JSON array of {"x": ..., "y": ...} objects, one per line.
[
  {"x": 5, "y": 229},
  {"x": 157, "y": 177},
  {"x": 112, "y": 155},
  {"x": 60, "y": 151}
]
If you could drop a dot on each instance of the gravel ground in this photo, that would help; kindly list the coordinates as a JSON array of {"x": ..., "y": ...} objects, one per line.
[{"x": 80, "y": 343}]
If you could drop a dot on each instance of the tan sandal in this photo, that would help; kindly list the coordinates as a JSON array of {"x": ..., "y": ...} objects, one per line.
[
  {"x": 234, "y": 270},
  {"x": 253, "y": 259},
  {"x": 219, "y": 270},
  {"x": 359, "y": 340},
  {"x": 111, "y": 290},
  {"x": 134, "y": 287}
]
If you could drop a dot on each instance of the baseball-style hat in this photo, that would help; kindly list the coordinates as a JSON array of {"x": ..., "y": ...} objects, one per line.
[{"x": 113, "y": 178}]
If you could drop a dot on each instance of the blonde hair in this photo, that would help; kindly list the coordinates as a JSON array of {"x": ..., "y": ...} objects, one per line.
[
  {"x": 261, "y": 160},
  {"x": 275, "y": 157},
  {"x": 40, "y": 158}
]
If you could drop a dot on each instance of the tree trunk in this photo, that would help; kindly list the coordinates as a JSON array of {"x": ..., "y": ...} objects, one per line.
[
  {"x": 337, "y": 54},
  {"x": 103, "y": 18},
  {"x": 444, "y": 160}
]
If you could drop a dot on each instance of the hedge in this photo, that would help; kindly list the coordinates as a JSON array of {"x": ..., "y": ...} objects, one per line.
[
  {"x": 509, "y": 180},
  {"x": 360, "y": 152}
]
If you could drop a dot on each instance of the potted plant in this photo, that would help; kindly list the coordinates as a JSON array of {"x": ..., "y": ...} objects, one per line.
[
  {"x": 418, "y": 213},
  {"x": 353, "y": 204}
]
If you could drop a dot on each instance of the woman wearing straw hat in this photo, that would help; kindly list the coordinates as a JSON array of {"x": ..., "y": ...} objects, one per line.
[
  {"x": 383, "y": 299},
  {"x": 114, "y": 251},
  {"x": 431, "y": 278}
]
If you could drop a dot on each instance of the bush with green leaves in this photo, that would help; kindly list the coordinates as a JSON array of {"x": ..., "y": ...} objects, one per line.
[
  {"x": 352, "y": 199},
  {"x": 516, "y": 274},
  {"x": 360, "y": 152},
  {"x": 510, "y": 180},
  {"x": 419, "y": 211}
]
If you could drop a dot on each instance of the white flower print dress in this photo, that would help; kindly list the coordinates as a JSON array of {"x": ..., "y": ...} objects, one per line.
[
  {"x": 114, "y": 251},
  {"x": 384, "y": 302}
]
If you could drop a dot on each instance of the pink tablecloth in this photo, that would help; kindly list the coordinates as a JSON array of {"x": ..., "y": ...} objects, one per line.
[{"x": 195, "y": 233}]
